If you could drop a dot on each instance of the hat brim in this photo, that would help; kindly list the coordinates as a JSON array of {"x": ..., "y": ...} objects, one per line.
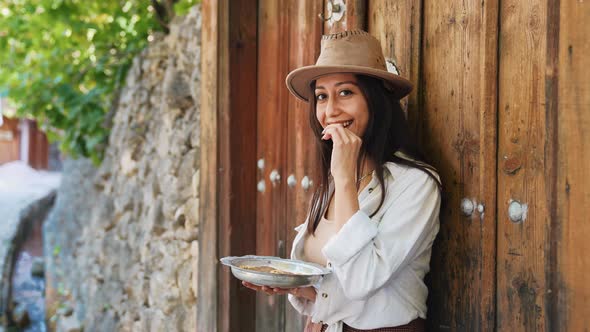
[{"x": 299, "y": 80}]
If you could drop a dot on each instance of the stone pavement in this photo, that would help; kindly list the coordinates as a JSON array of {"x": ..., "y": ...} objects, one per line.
[{"x": 21, "y": 190}]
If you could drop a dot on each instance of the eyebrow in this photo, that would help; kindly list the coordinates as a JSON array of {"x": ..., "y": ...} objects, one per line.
[{"x": 338, "y": 84}]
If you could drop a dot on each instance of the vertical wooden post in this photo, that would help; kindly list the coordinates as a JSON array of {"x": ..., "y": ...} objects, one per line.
[
  {"x": 573, "y": 168},
  {"x": 207, "y": 285},
  {"x": 38, "y": 151},
  {"x": 228, "y": 162},
  {"x": 304, "y": 35},
  {"x": 238, "y": 136},
  {"x": 272, "y": 147}
]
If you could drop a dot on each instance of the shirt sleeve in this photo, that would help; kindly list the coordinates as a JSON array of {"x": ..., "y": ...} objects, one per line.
[
  {"x": 365, "y": 254},
  {"x": 303, "y": 306}
]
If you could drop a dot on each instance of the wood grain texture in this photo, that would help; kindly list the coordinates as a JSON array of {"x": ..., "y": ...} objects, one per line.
[
  {"x": 273, "y": 67},
  {"x": 524, "y": 148},
  {"x": 355, "y": 17},
  {"x": 305, "y": 34},
  {"x": 237, "y": 161},
  {"x": 397, "y": 25},
  {"x": 9, "y": 141},
  {"x": 458, "y": 128},
  {"x": 207, "y": 285},
  {"x": 573, "y": 169}
]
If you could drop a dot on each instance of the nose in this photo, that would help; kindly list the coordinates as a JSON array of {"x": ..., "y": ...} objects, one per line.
[{"x": 332, "y": 109}]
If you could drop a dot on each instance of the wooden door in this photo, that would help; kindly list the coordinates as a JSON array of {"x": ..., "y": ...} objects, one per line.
[{"x": 501, "y": 107}]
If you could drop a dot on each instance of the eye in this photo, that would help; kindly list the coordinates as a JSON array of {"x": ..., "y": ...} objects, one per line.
[
  {"x": 345, "y": 93},
  {"x": 320, "y": 96}
]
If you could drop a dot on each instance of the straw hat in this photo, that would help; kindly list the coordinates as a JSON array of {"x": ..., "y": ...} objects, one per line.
[{"x": 353, "y": 51}]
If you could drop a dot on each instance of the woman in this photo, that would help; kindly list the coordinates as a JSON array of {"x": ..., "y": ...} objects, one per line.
[{"x": 374, "y": 217}]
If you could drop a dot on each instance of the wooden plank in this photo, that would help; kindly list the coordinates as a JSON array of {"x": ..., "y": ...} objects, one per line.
[
  {"x": 355, "y": 17},
  {"x": 237, "y": 152},
  {"x": 573, "y": 169},
  {"x": 458, "y": 96},
  {"x": 305, "y": 35},
  {"x": 273, "y": 62},
  {"x": 524, "y": 145},
  {"x": 207, "y": 284},
  {"x": 397, "y": 25},
  {"x": 9, "y": 140}
]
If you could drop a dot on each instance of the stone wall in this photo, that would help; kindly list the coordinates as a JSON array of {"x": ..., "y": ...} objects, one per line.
[{"x": 121, "y": 243}]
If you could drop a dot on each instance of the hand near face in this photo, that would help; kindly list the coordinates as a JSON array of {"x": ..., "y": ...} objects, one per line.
[
  {"x": 342, "y": 110},
  {"x": 304, "y": 292},
  {"x": 346, "y": 146}
]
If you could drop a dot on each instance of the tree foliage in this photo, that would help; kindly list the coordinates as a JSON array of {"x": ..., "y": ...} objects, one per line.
[{"x": 62, "y": 61}]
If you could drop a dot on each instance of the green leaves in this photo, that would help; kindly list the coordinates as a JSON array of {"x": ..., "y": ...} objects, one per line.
[{"x": 61, "y": 61}]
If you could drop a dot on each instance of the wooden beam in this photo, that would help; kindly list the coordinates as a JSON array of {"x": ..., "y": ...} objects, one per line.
[
  {"x": 573, "y": 168},
  {"x": 207, "y": 284},
  {"x": 305, "y": 33},
  {"x": 228, "y": 162},
  {"x": 237, "y": 150},
  {"x": 273, "y": 58}
]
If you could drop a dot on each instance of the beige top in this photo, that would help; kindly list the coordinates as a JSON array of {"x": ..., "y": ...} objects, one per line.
[{"x": 312, "y": 248}]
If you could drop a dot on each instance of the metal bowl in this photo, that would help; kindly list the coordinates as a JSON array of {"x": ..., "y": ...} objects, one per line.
[{"x": 306, "y": 274}]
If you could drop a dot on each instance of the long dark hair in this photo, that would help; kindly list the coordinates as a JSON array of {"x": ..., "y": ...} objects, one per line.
[{"x": 387, "y": 132}]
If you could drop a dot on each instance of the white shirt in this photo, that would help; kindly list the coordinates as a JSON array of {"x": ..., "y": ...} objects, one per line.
[{"x": 378, "y": 264}]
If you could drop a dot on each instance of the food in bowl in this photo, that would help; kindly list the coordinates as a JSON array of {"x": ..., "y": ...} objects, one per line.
[{"x": 268, "y": 269}]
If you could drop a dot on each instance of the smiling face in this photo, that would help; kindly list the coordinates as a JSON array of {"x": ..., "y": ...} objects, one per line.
[{"x": 339, "y": 100}]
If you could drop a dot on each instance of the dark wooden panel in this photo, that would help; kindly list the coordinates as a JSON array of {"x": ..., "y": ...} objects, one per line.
[
  {"x": 458, "y": 126},
  {"x": 38, "y": 146},
  {"x": 573, "y": 168},
  {"x": 237, "y": 153},
  {"x": 525, "y": 151},
  {"x": 273, "y": 59},
  {"x": 305, "y": 34},
  {"x": 208, "y": 286}
]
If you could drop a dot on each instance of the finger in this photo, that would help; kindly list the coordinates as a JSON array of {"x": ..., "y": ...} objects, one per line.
[
  {"x": 251, "y": 286},
  {"x": 247, "y": 284},
  {"x": 267, "y": 290},
  {"x": 328, "y": 130},
  {"x": 281, "y": 291},
  {"x": 334, "y": 133},
  {"x": 347, "y": 135},
  {"x": 337, "y": 136}
]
